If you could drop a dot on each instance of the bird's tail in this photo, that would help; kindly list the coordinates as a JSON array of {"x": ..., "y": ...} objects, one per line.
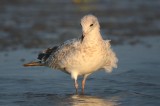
[{"x": 37, "y": 63}]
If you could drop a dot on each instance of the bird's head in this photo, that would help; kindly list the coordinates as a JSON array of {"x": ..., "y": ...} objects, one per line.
[{"x": 89, "y": 23}]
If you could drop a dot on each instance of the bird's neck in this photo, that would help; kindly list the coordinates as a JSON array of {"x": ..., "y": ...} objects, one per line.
[{"x": 92, "y": 37}]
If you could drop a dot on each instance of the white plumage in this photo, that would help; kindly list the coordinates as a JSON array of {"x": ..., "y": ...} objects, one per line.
[{"x": 81, "y": 56}]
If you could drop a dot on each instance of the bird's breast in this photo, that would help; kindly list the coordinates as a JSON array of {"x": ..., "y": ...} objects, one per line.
[
  {"x": 88, "y": 60},
  {"x": 85, "y": 59}
]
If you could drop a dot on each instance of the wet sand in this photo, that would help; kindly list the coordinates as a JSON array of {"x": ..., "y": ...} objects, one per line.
[{"x": 27, "y": 27}]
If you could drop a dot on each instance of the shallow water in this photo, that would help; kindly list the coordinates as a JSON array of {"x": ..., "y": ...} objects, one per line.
[{"x": 135, "y": 82}]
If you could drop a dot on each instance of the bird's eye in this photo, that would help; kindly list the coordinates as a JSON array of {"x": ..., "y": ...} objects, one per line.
[{"x": 91, "y": 25}]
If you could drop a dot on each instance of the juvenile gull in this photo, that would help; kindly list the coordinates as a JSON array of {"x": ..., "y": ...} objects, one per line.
[{"x": 81, "y": 56}]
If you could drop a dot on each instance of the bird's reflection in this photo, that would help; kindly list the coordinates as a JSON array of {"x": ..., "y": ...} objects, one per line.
[{"x": 82, "y": 100}]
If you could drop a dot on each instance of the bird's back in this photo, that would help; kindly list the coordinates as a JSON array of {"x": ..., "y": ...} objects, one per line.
[{"x": 59, "y": 58}]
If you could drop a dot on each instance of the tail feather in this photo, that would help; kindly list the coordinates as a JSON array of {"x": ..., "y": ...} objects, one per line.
[
  {"x": 43, "y": 56},
  {"x": 38, "y": 63}
]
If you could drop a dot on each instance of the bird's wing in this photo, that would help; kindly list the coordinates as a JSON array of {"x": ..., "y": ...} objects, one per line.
[
  {"x": 107, "y": 42},
  {"x": 59, "y": 53},
  {"x": 43, "y": 56},
  {"x": 112, "y": 59}
]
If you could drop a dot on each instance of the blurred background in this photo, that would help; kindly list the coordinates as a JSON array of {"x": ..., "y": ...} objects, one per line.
[
  {"x": 29, "y": 26},
  {"x": 43, "y": 23}
]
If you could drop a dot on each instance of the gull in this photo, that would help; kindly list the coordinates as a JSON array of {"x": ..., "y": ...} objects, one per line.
[{"x": 80, "y": 56}]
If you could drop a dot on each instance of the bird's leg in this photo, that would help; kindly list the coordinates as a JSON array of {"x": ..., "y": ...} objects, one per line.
[
  {"x": 76, "y": 86},
  {"x": 84, "y": 82},
  {"x": 83, "y": 85},
  {"x": 74, "y": 75}
]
